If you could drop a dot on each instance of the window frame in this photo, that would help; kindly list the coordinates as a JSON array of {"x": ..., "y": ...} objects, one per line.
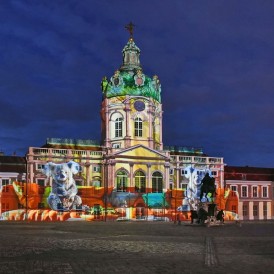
[
  {"x": 264, "y": 192},
  {"x": 118, "y": 126},
  {"x": 242, "y": 192},
  {"x": 138, "y": 127},
  {"x": 252, "y": 191}
]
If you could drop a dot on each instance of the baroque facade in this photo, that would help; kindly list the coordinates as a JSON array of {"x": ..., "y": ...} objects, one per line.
[{"x": 130, "y": 174}]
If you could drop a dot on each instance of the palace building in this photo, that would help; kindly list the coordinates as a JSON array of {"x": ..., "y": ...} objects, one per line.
[{"x": 130, "y": 174}]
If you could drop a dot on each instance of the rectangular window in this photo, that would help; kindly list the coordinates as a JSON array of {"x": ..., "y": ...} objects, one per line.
[
  {"x": 264, "y": 192},
  {"x": 41, "y": 182},
  {"x": 244, "y": 191},
  {"x": 5, "y": 182},
  {"x": 183, "y": 172},
  {"x": 245, "y": 210},
  {"x": 255, "y": 210},
  {"x": 265, "y": 210},
  {"x": 78, "y": 182},
  {"x": 234, "y": 190},
  {"x": 40, "y": 166},
  {"x": 171, "y": 171},
  {"x": 96, "y": 169},
  {"x": 138, "y": 126},
  {"x": 254, "y": 191},
  {"x": 234, "y": 209},
  {"x": 118, "y": 127},
  {"x": 116, "y": 145},
  {"x": 214, "y": 173}
]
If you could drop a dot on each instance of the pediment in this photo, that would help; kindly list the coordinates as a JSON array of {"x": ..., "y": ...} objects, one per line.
[{"x": 140, "y": 152}]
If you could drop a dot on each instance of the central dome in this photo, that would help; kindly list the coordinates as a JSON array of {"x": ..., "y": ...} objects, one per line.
[{"x": 129, "y": 79}]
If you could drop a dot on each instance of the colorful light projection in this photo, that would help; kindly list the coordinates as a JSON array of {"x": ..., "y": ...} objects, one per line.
[{"x": 21, "y": 201}]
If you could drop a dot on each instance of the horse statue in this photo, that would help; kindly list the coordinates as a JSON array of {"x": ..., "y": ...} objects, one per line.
[{"x": 208, "y": 188}]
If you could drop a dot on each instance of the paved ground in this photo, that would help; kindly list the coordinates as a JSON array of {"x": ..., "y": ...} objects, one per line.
[{"x": 136, "y": 247}]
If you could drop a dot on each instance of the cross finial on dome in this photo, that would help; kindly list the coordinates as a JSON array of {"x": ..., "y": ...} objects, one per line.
[{"x": 130, "y": 28}]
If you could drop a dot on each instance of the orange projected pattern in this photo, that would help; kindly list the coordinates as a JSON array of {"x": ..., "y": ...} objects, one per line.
[{"x": 21, "y": 201}]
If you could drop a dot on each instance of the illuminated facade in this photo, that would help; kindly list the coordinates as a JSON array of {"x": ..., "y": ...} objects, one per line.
[
  {"x": 251, "y": 192},
  {"x": 131, "y": 174}
]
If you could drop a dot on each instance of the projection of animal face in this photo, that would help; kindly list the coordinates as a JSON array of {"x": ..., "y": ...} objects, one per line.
[{"x": 63, "y": 193}]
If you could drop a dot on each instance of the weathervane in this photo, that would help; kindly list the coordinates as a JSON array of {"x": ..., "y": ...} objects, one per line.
[{"x": 130, "y": 28}]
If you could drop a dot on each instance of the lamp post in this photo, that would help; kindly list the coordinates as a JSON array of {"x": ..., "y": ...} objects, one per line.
[
  {"x": 105, "y": 189},
  {"x": 26, "y": 179}
]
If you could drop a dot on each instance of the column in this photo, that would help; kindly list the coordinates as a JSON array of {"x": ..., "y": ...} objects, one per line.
[
  {"x": 268, "y": 206},
  {"x": 107, "y": 125},
  {"x": 166, "y": 176},
  {"x": 112, "y": 174},
  {"x": 261, "y": 210},
  {"x": 150, "y": 130},
  {"x": 240, "y": 210},
  {"x": 161, "y": 129},
  {"x": 250, "y": 211},
  {"x": 127, "y": 123},
  {"x": 222, "y": 176},
  {"x": 31, "y": 173},
  {"x": 177, "y": 177},
  {"x": 87, "y": 174},
  {"x": 149, "y": 176},
  {"x": 131, "y": 175}
]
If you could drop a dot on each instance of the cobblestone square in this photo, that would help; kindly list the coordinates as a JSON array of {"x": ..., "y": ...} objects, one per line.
[{"x": 135, "y": 247}]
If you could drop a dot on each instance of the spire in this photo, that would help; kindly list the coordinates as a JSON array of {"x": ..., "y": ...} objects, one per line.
[{"x": 131, "y": 52}]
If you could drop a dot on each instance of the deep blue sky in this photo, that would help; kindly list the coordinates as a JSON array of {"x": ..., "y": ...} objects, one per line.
[{"x": 214, "y": 58}]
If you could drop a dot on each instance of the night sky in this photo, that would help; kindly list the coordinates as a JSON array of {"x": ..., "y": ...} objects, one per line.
[{"x": 215, "y": 61}]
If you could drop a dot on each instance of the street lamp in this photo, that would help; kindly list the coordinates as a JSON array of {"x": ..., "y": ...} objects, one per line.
[{"x": 26, "y": 179}]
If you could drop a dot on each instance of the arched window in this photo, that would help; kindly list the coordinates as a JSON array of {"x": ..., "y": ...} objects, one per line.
[
  {"x": 121, "y": 181},
  {"x": 140, "y": 182},
  {"x": 157, "y": 182},
  {"x": 138, "y": 127},
  {"x": 118, "y": 127}
]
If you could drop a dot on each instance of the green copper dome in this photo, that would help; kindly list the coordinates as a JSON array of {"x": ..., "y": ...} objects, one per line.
[{"x": 129, "y": 79}]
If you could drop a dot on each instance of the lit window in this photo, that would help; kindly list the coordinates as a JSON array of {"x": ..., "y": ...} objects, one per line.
[
  {"x": 138, "y": 126},
  {"x": 118, "y": 127},
  {"x": 121, "y": 181},
  {"x": 157, "y": 182},
  {"x": 140, "y": 182}
]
